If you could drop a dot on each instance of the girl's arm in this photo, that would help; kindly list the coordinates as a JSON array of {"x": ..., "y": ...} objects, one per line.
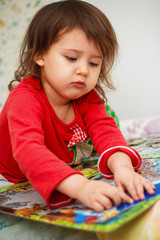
[
  {"x": 116, "y": 157},
  {"x": 126, "y": 178},
  {"x": 32, "y": 159},
  {"x": 97, "y": 195},
  {"x": 104, "y": 134}
]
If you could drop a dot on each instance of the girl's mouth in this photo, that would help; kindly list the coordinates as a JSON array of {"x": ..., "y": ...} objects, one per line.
[{"x": 79, "y": 84}]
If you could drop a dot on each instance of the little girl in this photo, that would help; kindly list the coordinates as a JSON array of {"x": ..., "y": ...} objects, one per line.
[{"x": 50, "y": 119}]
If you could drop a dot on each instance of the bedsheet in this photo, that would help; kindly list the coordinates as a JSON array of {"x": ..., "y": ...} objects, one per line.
[{"x": 134, "y": 128}]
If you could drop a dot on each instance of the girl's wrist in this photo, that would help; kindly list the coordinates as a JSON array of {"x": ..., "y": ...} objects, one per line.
[
  {"x": 72, "y": 185},
  {"x": 118, "y": 161}
]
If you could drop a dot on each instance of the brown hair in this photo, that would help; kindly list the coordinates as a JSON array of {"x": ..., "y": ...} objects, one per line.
[{"x": 66, "y": 15}]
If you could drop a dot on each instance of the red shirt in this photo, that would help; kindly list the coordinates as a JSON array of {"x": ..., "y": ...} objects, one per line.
[{"x": 35, "y": 144}]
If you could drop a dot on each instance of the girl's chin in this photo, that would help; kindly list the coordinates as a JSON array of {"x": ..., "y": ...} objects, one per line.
[{"x": 77, "y": 96}]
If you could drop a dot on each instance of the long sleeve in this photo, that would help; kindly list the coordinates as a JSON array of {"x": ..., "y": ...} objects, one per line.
[
  {"x": 41, "y": 167},
  {"x": 105, "y": 135}
]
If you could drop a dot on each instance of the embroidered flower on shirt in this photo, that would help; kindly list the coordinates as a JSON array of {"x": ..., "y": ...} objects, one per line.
[{"x": 78, "y": 135}]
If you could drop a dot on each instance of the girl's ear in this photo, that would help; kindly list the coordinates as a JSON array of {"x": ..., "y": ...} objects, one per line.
[{"x": 39, "y": 59}]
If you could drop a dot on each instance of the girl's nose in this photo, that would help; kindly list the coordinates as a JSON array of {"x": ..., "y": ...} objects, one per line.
[{"x": 82, "y": 69}]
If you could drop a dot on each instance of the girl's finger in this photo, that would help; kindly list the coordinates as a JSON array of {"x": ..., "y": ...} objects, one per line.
[
  {"x": 132, "y": 191},
  {"x": 105, "y": 201},
  {"x": 120, "y": 187},
  {"x": 125, "y": 197},
  {"x": 119, "y": 196},
  {"x": 139, "y": 189},
  {"x": 149, "y": 187},
  {"x": 109, "y": 194},
  {"x": 97, "y": 206}
]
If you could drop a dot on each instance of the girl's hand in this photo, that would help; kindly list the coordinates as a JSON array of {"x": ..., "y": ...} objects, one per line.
[
  {"x": 100, "y": 195},
  {"x": 126, "y": 179},
  {"x": 135, "y": 184}
]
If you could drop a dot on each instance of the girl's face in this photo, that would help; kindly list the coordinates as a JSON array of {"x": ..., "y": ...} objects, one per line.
[{"x": 70, "y": 67}]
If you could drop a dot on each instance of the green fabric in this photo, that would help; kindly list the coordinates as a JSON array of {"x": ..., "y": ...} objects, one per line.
[{"x": 112, "y": 113}]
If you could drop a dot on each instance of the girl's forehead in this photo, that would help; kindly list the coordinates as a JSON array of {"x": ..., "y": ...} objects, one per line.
[{"x": 77, "y": 36}]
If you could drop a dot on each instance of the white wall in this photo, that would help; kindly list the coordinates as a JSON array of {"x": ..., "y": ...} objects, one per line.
[{"x": 137, "y": 71}]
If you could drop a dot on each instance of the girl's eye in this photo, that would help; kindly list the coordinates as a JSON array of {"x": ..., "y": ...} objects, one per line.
[
  {"x": 93, "y": 64},
  {"x": 71, "y": 58}
]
